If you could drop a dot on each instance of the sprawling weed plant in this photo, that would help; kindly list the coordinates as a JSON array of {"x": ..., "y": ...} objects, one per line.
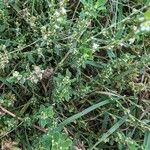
[{"x": 75, "y": 74}]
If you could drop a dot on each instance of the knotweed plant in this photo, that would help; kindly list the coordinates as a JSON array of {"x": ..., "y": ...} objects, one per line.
[{"x": 75, "y": 74}]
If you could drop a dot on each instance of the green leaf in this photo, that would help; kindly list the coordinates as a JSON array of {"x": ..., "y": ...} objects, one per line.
[
  {"x": 60, "y": 141},
  {"x": 82, "y": 113},
  {"x": 15, "y": 148},
  {"x": 147, "y": 2},
  {"x": 110, "y": 131},
  {"x": 147, "y": 14},
  {"x": 95, "y": 64},
  {"x": 86, "y": 51},
  {"x": 111, "y": 54},
  {"x": 2, "y": 6},
  {"x": 10, "y": 87},
  {"x": 2, "y": 28},
  {"x": 100, "y": 3},
  {"x": 105, "y": 121},
  {"x": 45, "y": 115},
  {"x": 31, "y": 58},
  {"x": 133, "y": 146},
  {"x": 84, "y": 2}
]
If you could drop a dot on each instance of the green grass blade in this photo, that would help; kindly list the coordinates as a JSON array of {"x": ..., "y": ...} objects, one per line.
[
  {"x": 147, "y": 140},
  {"x": 105, "y": 121},
  {"x": 82, "y": 113},
  {"x": 94, "y": 64},
  {"x": 110, "y": 131}
]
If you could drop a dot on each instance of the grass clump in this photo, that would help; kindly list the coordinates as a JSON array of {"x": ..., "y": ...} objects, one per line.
[{"x": 74, "y": 74}]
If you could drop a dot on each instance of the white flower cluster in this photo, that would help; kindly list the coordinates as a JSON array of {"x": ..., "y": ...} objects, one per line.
[
  {"x": 45, "y": 32},
  {"x": 4, "y": 57},
  {"x": 145, "y": 26},
  {"x": 62, "y": 7},
  {"x": 36, "y": 75},
  {"x": 95, "y": 47},
  {"x": 131, "y": 40},
  {"x": 44, "y": 115},
  {"x": 59, "y": 14},
  {"x": 18, "y": 76}
]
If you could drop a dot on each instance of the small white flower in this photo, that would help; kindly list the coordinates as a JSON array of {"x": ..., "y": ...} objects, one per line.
[
  {"x": 137, "y": 31},
  {"x": 59, "y": 19},
  {"x": 62, "y": 2},
  {"x": 141, "y": 19},
  {"x": 111, "y": 47},
  {"x": 145, "y": 26},
  {"x": 56, "y": 26},
  {"x": 75, "y": 51},
  {"x": 121, "y": 44},
  {"x": 131, "y": 40},
  {"x": 135, "y": 28},
  {"x": 36, "y": 75},
  {"x": 45, "y": 37},
  {"x": 39, "y": 50},
  {"x": 134, "y": 10},
  {"x": 15, "y": 74},
  {"x": 95, "y": 46},
  {"x": 142, "y": 28},
  {"x": 34, "y": 80},
  {"x": 63, "y": 10},
  {"x": 53, "y": 141},
  {"x": 104, "y": 32},
  {"x": 3, "y": 47},
  {"x": 43, "y": 28},
  {"x": 57, "y": 14},
  {"x": 37, "y": 69}
]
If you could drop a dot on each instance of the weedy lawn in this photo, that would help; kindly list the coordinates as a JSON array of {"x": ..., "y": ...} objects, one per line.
[{"x": 75, "y": 74}]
